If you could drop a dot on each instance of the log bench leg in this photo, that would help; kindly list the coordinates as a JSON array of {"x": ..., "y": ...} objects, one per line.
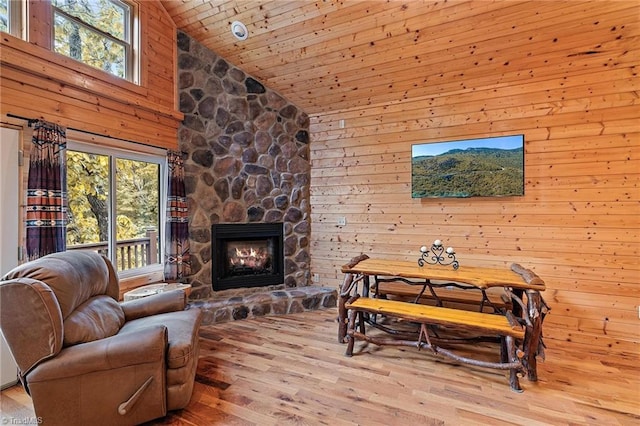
[
  {"x": 342, "y": 311},
  {"x": 342, "y": 320},
  {"x": 361, "y": 322},
  {"x": 350, "y": 329},
  {"x": 514, "y": 382}
]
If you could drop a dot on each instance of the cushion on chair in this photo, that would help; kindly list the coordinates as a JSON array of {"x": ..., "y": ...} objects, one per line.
[{"x": 95, "y": 319}]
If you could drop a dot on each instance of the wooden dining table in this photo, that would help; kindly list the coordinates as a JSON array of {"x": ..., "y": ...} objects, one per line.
[{"x": 522, "y": 284}]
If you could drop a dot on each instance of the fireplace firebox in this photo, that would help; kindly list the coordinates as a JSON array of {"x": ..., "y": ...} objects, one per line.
[{"x": 247, "y": 255}]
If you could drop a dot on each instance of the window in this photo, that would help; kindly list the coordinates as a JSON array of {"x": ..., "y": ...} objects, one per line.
[
  {"x": 4, "y": 15},
  {"x": 115, "y": 200},
  {"x": 10, "y": 11},
  {"x": 95, "y": 32},
  {"x": 104, "y": 34}
]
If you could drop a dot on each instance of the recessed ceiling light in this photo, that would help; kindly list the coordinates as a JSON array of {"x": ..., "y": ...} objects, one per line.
[{"x": 239, "y": 30}]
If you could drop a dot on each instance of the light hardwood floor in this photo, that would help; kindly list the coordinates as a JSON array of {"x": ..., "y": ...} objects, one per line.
[{"x": 291, "y": 370}]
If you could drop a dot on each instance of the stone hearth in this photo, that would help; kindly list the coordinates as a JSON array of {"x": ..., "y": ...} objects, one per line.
[{"x": 229, "y": 306}]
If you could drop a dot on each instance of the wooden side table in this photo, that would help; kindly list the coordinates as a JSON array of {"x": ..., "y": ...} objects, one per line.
[{"x": 151, "y": 289}]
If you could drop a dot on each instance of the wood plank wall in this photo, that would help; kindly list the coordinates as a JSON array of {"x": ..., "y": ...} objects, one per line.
[
  {"x": 41, "y": 84},
  {"x": 568, "y": 83},
  {"x": 37, "y": 83}
]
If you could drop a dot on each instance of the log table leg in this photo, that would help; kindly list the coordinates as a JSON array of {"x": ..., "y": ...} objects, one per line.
[
  {"x": 349, "y": 288},
  {"x": 343, "y": 296},
  {"x": 534, "y": 306},
  {"x": 345, "y": 293}
]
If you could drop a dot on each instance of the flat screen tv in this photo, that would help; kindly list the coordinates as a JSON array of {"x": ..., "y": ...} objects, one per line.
[{"x": 485, "y": 167}]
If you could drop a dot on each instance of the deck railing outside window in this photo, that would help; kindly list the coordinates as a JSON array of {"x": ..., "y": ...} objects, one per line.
[{"x": 130, "y": 254}]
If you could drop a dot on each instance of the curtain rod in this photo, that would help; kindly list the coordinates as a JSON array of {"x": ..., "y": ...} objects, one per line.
[{"x": 30, "y": 121}]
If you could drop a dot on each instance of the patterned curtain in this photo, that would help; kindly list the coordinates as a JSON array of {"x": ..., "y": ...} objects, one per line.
[
  {"x": 176, "y": 265},
  {"x": 46, "y": 210}
]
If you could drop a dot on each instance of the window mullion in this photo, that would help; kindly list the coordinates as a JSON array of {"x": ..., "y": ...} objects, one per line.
[
  {"x": 162, "y": 207},
  {"x": 113, "y": 231}
]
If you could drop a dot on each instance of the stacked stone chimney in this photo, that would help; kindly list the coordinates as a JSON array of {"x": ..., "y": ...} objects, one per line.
[{"x": 247, "y": 160}]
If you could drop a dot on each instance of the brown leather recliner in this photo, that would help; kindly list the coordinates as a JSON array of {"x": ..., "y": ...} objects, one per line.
[{"x": 87, "y": 359}]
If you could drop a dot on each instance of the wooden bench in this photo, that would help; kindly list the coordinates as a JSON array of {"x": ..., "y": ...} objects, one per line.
[
  {"x": 470, "y": 298},
  {"x": 506, "y": 327}
]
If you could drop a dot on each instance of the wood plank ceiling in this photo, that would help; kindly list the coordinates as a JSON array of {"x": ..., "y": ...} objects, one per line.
[{"x": 335, "y": 55}]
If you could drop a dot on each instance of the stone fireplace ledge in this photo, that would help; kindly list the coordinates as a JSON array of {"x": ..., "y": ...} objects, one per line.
[{"x": 276, "y": 302}]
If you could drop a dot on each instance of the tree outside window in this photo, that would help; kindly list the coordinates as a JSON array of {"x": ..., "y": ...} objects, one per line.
[
  {"x": 134, "y": 202},
  {"x": 10, "y": 12},
  {"x": 4, "y": 15},
  {"x": 95, "y": 32}
]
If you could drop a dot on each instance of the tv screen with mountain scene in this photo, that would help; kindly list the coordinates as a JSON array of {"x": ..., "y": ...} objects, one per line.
[{"x": 485, "y": 167}]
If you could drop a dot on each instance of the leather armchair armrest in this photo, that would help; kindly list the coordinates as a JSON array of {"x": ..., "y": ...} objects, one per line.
[
  {"x": 144, "y": 346},
  {"x": 33, "y": 326},
  {"x": 170, "y": 301}
]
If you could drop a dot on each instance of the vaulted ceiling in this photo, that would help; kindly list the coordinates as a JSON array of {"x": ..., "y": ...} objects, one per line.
[{"x": 332, "y": 55}]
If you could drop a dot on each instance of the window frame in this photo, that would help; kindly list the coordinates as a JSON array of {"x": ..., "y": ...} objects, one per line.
[
  {"x": 149, "y": 155},
  {"x": 131, "y": 47}
]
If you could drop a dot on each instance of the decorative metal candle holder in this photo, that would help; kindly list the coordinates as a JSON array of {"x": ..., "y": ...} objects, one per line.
[{"x": 435, "y": 255}]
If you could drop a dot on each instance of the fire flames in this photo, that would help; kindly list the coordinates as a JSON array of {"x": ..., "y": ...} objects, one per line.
[{"x": 249, "y": 257}]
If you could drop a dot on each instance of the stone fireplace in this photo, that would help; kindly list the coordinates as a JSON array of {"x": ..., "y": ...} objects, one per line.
[
  {"x": 247, "y": 255},
  {"x": 246, "y": 162}
]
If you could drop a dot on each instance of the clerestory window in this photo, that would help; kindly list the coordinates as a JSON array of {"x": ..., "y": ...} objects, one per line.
[
  {"x": 95, "y": 32},
  {"x": 103, "y": 34},
  {"x": 10, "y": 12}
]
